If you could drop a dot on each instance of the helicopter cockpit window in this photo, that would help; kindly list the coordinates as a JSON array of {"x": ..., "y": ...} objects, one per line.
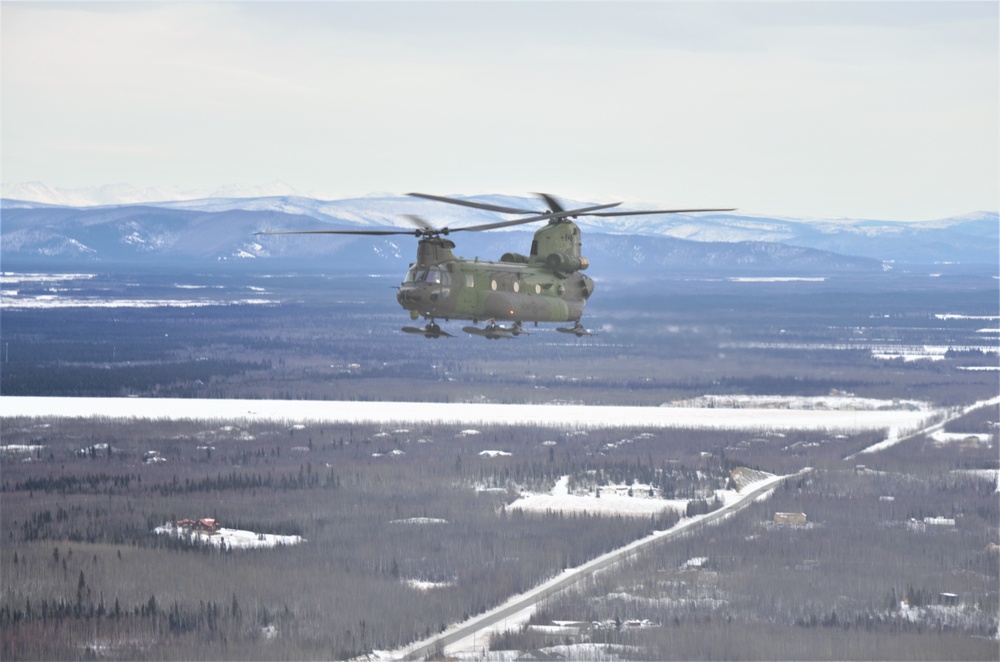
[{"x": 432, "y": 275}]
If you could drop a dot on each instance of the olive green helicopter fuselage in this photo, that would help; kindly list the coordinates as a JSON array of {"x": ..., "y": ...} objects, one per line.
[{"x": 547, "y": 285}]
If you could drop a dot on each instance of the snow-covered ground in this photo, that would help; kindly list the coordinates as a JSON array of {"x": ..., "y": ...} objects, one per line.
[
  {"x": 611, "y": 502},
  {"x": 936, "y": 428},
  {"x": 58, "y": 295},
  {"x": 823, "y": 402},
  {"x": 420, "y": 520},
  {"x": 881, "y": 350},
  {"x": 231, "y": 538},
  {"x": 22, "y": 449},
  {"x": 422, "y": 585},
  {"x": 492, "y": 453},
  {"x": 13, "y": 300},
  {"x": 8, "y": 278},
  {"x": 941, "y": 437},
  {"x": 992, "y": 475},
  {"x": 953, "y": 316},
  {"x": 776, "y": 279},
  {"x": 771, "y": 417}
]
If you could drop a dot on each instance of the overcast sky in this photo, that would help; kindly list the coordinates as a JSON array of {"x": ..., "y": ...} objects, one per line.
[{"x": 882, "y": 110}]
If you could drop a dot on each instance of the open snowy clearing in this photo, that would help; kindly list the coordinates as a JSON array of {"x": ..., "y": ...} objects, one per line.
[
  {"x": 882, "y": 350},
  {"x": 11, "y": 278},
  {"x": 229, "y": 538},
  {"x": 941, "y": 437},
  {"x": 611, "y": 502},
  {"x": 771, "y": 417},
  {"x": 13, "y": 301}
]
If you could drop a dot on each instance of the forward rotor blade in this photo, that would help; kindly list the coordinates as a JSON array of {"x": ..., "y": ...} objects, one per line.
[
  {"x": 658, "y": 211},
  {"x": 476, "y": 205},
  {"x": 376, "y": 233}
]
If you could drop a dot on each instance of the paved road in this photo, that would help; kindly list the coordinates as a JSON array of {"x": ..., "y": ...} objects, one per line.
[{"x": 487, "y": 621}]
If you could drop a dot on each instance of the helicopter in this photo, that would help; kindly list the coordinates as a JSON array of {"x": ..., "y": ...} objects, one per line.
[{"x": 546, "y": 285}]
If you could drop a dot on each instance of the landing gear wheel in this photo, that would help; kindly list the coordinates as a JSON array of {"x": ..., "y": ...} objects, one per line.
[
  {"x": 577, "y": 329},
  {"x": 431, "y": 330}
]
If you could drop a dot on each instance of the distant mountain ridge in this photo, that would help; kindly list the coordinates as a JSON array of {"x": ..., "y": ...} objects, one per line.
[
  {"x": 222, "y": 228},
  {"x": 125, "y": 194}
]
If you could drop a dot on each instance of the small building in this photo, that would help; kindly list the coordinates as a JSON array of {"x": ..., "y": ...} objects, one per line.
[
  {"x": 635, "y": 623},
  {"x": 950, "y": 599},
  {"x": 575, "y": 631},
  {"x": 790, "y": 518},
  {"x": 205, "y": 524},
  {"x": 696, "y": 563}
]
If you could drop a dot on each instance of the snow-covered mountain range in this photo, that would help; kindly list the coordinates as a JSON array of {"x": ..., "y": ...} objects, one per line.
[
  {"x": 40, "y": 223},
  {"x": 124, "y": 194}
]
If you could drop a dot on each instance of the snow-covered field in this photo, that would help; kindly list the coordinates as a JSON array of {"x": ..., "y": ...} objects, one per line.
[
  {"x": 941, "y": 437},
  {"x": 9, "y": 278},
  {"x": 19, "y": 449},
  {"x": 882, "y": 350},
  {"x": 823, "y": 402},
  {"x": 230, "y": 538},
  {"x": 12, "y": 300},
  {"x": 773, "y": 416},
  {"x": 611, "y": 502},
  {"x": 56, "y": 295},
  {"x": 776, "y": 279}
]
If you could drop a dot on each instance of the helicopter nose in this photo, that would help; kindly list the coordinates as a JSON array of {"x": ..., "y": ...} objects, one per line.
[
  {"x": 423, "y": 296},
  {"x": 404, "y": 296}
]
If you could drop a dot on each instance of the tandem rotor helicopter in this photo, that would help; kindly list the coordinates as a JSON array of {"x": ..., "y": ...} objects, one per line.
[{"x": 547, "y": 285}]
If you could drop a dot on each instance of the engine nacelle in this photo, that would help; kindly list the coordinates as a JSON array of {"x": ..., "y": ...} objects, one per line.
[{"x": 563, "y": 263}]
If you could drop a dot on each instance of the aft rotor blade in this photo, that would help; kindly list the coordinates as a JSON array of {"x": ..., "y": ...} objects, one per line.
[
  {"x": 532, "y": 219},
  {"x": 476, "y": 205},
  {"x": 551, "y": 202},
  {"x": 420, "y": 222},
  {"x": 657, "y": 211},
  {"x": 553, "y": 205}
]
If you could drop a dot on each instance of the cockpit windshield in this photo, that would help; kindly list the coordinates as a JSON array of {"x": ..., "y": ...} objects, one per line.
[{"x": 432, "y": 275}]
